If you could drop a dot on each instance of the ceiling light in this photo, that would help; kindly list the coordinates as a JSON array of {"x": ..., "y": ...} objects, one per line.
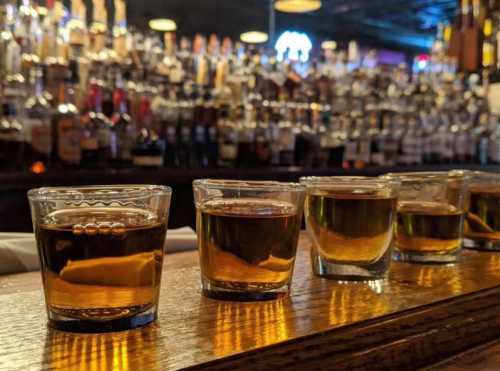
[
  {"x": 329, "y": 45},
  {"x": 297, "y": 6},
  {"x": 162, "y": 25},
  {"x": 254, "y": 37}
]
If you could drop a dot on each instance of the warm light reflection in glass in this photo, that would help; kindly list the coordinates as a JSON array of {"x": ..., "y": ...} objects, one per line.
[
  {"x": 132, "y": 350},
  {"x": 260, "y": 324},
  {"x": 351, "y": 302}
]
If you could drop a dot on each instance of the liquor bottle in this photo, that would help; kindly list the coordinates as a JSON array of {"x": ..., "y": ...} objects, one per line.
[
  {"x": 388, "y": 141},
  {"x": 363, "y": 156},
  {"x": 11, "y": 137},
  {"x": 338, "y": 137},
  {"x": 494, "y": 142},
  {"x": 376, "y": 155},
  {"x": 77, "y": 29},
  {"x": 168, "y": 113},
  {"x": 228, "y": 138},
  {"x": 489, "y": 46},
  {"x": 123, "y": 133},
  {"x": 286, "y": 137},
  {"x": 98, "y": 27},
  {"x": 185, "y": 122},
  {"x": 27, "y": 31},
  {"x": 445, "y": 143},
  {"x": 212, "y": 141},
  {"x": 5, "y": 38},
  {"x": 263, "y": 138},
  {"x": 427, "y": 134},
  {"x": 274, "y": 130},
  {"x": 149, "y": 149},
  {"x": 37, "y": 126},
  {"x": 482, "y": 134},
  {"x": 66, "y": 127},
  {"x": 352, "y": 142},
  {"x": 120, "y": 29},
  {"x": 246, "y": 121},
  {"x": 89, "y": 142},
  {"x": 198, "y": 136},
  {"x": 304, "y": 142}
]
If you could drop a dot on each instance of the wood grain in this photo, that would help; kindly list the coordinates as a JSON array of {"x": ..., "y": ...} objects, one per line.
[
  {"x": 421, "y": 315},
  {"x": 483, "y": 358}
]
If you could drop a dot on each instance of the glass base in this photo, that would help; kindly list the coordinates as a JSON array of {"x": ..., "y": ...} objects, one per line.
[
  {"x": 481, "y": 245},
  {"x": 214, "y": 291},
  {"x": 350, "y": 271},
  {"x": 425, "y": 258},
  {"x": 64, "y": 323}
]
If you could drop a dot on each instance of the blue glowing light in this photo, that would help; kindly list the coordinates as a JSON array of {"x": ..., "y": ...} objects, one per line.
[{"x": 293, "y": 46}]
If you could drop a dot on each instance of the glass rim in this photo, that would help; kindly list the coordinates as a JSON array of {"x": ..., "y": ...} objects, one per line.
[
  {"x": 98, "y": 192},
  {"x": 249, "y": 185},
  {"x": 428, "y": 175},
  {"x": 346, "y": 180}
]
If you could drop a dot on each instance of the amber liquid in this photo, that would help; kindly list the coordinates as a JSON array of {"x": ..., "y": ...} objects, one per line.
[
  {"x": 350, "y": 228},
  {"x": 483, "y": 218},
  {"x": 101, "y": 263},
  {"x": 428, "y": 227},
  {"x": 247, "y": 244}
]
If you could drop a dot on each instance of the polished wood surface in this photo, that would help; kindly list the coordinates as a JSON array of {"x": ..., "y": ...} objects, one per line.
[
  {"x": 483, "y": 358},
  {"x": 421, "y": 315}
]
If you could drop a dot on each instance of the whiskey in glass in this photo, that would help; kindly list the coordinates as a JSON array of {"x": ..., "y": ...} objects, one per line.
[
  {"x": 247, "y": 237},
  {"x": 350, "y": 222},
  {"x": 482, "y": 221},
  {"x": 101, "y": 253},
  {"x": 430, "y": 217}
]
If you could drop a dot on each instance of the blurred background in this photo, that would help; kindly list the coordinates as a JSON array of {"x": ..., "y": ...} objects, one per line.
[{"x": 165, "y": 92}]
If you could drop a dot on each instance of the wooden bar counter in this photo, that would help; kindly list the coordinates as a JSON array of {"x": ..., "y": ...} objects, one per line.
[{"x": 418, "y": 317}]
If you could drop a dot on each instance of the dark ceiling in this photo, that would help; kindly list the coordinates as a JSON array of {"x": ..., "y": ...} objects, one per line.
[{"x": 395, "y": 24}]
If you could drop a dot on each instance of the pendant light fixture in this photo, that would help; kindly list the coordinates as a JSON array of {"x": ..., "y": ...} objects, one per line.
[
  {"x": 297, "y": 6},
  {"x": 254, "y": 37}
]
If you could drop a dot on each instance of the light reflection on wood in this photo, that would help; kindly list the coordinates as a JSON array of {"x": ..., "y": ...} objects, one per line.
[
  {"x": 130, "y": 350},
  {"x": 261, "y": 324},
  {"x": 348, "y": 302}
]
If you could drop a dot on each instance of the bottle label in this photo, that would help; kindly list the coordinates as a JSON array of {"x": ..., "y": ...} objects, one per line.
[
  {"x": 200, "y": 134},
  {"x": 89, "y": 144},
  {"x": 171, "y": 135},
  {"x": 228, "y": 151},
  {"x": 287, "y": 140},
  {"x": 68, "y": 140},
  {"x": 125, "y": 145},
  {"x": 212, "y": 134},
  {"x": 104, "y": 137},
  {"x": 351, "y": 150},
  {"x": 185, "y": 133},
  {"x": 41, "y": 138},
  {"x": 364, "y": 151},
  {"x": 461, "y": 145},
  {"x": 148, "y": 160},
  {"x": 483, "y": 151}
]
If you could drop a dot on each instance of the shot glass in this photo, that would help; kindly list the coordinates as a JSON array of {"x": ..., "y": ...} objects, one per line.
[
  {"x": 430, "y": 216},
  {"x": 350, "y": 222},
  {"x": 101, "y": 252},
  {"x": 247, "y": 237},
  {"x": 482, "y": 220}
]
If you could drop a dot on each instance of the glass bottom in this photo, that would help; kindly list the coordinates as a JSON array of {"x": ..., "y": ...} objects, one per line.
[
  {"x": 69, "y": 324},
  {"x": 482, "y": 245},
  {"x": 350, "y": 271},
  {"x": 426, "y": 258},
  {"x": 257, "y": 292}
]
